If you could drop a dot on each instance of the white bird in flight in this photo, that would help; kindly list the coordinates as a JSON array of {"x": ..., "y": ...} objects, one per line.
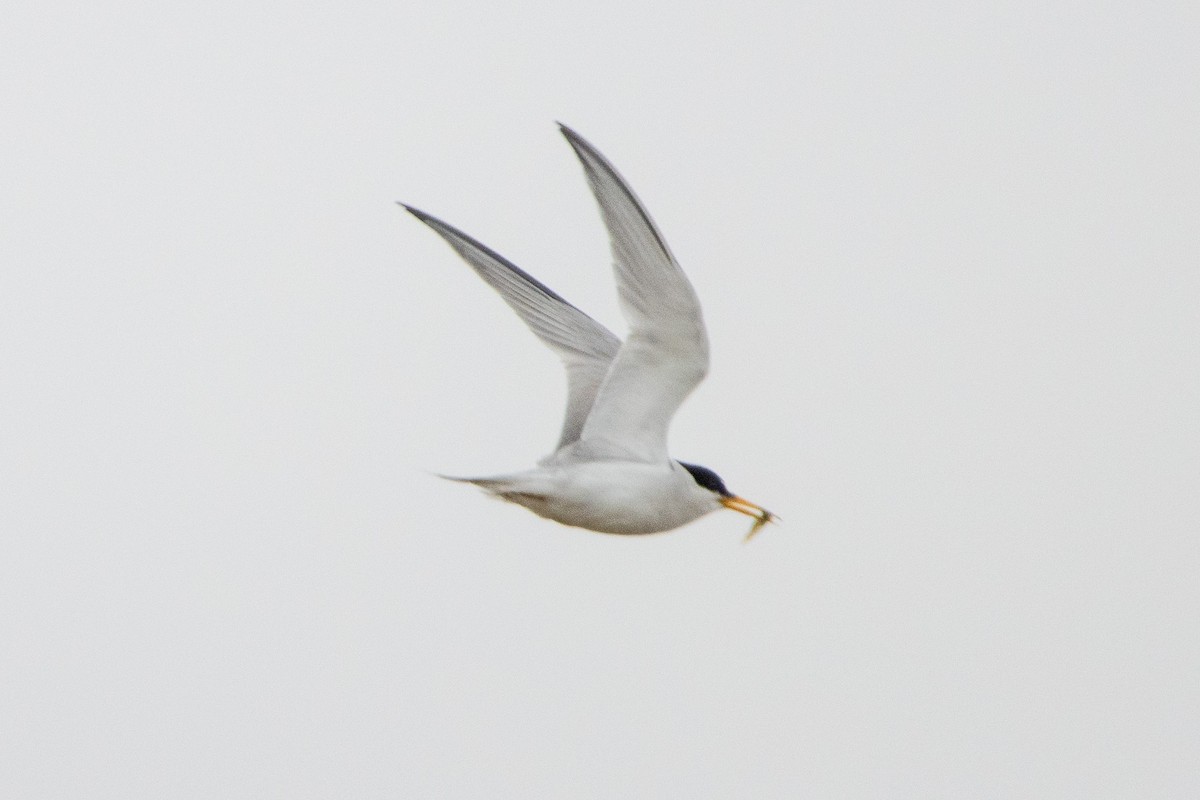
[{"x": 610, "y": 471}]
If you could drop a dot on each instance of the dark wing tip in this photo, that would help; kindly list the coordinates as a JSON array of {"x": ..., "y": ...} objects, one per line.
[
  {"x": 434, "y": 222},
  {"x": 459, "y": 240},
  {"x": 580, "y": 144},
  {"x": 416, "y": 212},
  {"x": 595, "y": 163},
  {"x": 583, "y": 148}
]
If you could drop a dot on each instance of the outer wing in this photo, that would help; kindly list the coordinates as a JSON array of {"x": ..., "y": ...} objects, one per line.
[
  {"x": 665, "y": 354},
  {"x": 585, "y": 346}
]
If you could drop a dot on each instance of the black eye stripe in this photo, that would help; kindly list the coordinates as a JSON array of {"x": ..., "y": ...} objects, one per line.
[{"x": 707, "y": 478}]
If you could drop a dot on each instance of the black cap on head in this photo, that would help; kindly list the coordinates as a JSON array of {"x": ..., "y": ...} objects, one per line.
[{"x": 707, "y": 478}]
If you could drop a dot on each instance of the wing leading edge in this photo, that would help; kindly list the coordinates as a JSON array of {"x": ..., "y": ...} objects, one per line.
[{"x": 585, "y": 347}]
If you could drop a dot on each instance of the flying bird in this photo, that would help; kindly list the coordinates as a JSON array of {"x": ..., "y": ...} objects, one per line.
[{"x": 610, "y": 470}]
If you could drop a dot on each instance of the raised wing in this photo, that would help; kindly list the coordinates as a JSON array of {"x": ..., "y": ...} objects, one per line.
[
  {"x": 585, "y": 346},
  {"x": 665, "y": 354}
]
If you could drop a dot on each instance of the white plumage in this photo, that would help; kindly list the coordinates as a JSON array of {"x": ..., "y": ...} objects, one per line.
[{"x": 610, "y": 471}]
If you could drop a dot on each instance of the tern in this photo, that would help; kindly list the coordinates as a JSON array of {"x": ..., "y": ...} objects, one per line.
[{"x": 610, "y": 471}]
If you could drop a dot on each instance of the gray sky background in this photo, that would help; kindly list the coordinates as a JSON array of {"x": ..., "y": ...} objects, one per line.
[{"x": 948, "y": 258}]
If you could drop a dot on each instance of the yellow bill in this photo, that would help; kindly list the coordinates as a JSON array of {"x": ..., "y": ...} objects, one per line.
[{"x": 744, "y": 506}]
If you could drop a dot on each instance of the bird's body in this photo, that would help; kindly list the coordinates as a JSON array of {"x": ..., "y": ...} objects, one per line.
[
  {"x": 610, "y": 471},
  {"x": 607, "y": 496}
]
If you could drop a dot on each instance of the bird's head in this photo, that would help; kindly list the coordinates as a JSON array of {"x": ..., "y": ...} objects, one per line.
[{"x": 711, "y": 481}]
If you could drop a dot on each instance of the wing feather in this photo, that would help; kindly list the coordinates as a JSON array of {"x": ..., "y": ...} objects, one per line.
[
  {"x": 585, "y": 347},
  {"x": 665, "y": 355}
]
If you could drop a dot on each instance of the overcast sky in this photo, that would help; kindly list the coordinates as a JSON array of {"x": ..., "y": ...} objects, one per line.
[{"x": 948, "y": 257}]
